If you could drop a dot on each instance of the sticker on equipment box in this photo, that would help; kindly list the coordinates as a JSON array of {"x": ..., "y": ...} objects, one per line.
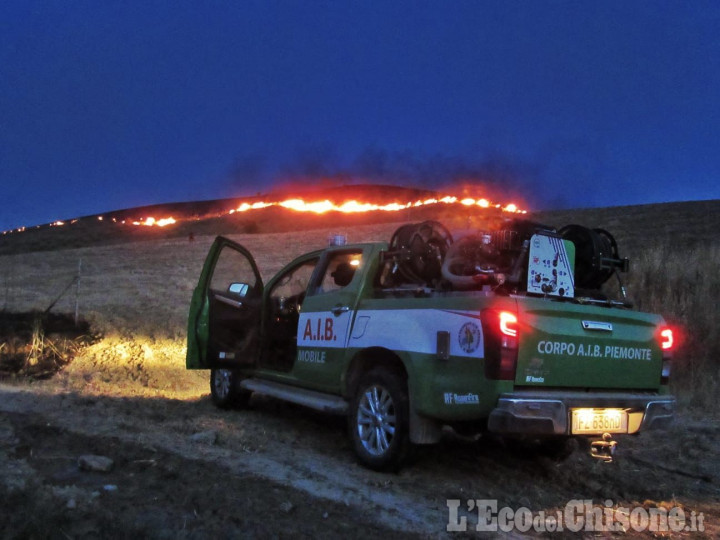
[
  {"x": 469, "y": 337},
  {"x": 551, "y": 266}
]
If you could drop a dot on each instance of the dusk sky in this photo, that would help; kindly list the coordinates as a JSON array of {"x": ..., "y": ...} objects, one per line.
[{"x": 106, "y": 105}]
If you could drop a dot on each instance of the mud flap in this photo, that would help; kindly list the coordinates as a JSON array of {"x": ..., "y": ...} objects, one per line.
[{"x": 424, "y": 430}]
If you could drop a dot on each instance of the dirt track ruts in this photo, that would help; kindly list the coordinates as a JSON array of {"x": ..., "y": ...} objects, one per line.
[{"x": 298, "y": 459}]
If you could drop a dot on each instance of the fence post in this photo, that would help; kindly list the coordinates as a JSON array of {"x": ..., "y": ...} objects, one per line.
[
  {"x": 77, "y": 290},
  {"x": 8, "y": 272},
  {"x": 7, "y": 289}
]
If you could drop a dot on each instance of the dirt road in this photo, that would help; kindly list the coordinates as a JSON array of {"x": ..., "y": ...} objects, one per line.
[{"x": 185, "y": 469}]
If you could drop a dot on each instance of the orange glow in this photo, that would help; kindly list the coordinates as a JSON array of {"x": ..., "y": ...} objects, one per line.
[
  {"x": 244, "y": 207},
  {"x": 151, "y": 221},
  {"x": 508, "y": 323},
  {"x": 299, "y": 205},
  {"x": 484, "y": 203},
  {"x": 353, "y": 206}
]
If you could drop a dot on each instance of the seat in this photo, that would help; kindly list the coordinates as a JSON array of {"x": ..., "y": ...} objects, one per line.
[{"x": 343, "y": 274}]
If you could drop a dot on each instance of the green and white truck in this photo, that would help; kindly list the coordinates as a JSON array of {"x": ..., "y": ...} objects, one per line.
[{"x": 504, "y": 331}]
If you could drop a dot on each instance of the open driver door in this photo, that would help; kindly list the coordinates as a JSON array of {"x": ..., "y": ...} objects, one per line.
[{"x": 224, "y": 319}]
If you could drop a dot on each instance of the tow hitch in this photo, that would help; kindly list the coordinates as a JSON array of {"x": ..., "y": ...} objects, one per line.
[{"x": 603, "y": 449}]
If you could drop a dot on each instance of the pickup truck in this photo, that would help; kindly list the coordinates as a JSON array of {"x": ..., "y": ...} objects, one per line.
[{"x": 506, "y": 331}]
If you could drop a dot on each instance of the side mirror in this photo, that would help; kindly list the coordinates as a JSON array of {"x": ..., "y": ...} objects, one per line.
[{"x": 239, "y": 289}]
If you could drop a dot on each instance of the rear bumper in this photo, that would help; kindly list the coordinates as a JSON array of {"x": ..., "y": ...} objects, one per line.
[{"x": 548, "y": 413}]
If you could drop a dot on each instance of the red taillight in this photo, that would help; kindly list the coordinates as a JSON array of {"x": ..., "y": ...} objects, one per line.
[
  {"x": 508, "y": 323},
  {"x": 667, "y": 340},
  {"x": 500, "y": 334}
]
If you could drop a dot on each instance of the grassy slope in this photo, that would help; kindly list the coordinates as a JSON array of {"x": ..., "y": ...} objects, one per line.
[
  {"x": 136, "y": 286},
  {"x": 673, "y": 225}
]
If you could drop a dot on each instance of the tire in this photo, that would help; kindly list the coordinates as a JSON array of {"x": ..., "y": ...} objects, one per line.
[
  {"x": 225, "y": 389},
  {"x": 379, "y": 421}
]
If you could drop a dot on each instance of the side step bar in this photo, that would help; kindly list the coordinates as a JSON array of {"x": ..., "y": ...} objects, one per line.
[{"x": 307, "y": 398}]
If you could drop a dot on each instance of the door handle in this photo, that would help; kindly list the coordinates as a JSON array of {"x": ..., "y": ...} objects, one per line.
[
  {"x": 229, "y": 301},
  {"x": 337, "y": 310}
]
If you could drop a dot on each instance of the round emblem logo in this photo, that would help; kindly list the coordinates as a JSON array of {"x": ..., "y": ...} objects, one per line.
[{"x": 469, "y": 337}]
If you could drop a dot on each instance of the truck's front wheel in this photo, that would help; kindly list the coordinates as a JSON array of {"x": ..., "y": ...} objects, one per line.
[
  {"x": 379, "y": 421},
  {"x": 225, "y": 389}
]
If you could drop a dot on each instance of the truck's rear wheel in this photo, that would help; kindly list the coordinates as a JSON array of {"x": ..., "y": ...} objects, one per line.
[
  {"x": 225, "y": 389},
  {"x": 378, "y": 421}
]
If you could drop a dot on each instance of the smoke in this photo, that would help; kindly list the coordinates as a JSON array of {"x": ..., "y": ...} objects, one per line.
[
  {"x": 496, "y": 176},
  {"x": 248, "y": 170}
]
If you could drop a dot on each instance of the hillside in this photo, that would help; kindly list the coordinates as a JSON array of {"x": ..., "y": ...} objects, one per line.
[
  {"x": 211, "y": 218},
  {"x": 693, "y": 223},
  {"x": 680, "y": 223}
]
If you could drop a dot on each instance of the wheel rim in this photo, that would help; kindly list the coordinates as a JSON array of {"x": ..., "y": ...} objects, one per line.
[
  {"x": 221, "y": 382},
  {"x": 376, "y": 420}
]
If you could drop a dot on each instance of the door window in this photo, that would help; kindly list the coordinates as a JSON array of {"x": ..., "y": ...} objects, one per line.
[
  {"x": 234, "y": 295},
  {"x": 340, "y": 271},
  {"x": 233, "y": 274},
  {"x": 294, "y": 283},
  {"x": 285, "y": 300}
]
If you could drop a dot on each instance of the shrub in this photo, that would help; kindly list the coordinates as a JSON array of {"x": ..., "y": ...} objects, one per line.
[{"x": 683, "y": 284}]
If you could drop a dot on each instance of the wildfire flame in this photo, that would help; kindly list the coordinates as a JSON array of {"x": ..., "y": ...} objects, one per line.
[
  {"x": 152, "y": 222},
  {"x": 317, "y": 207},
  {"x": 353, "y": 206}
]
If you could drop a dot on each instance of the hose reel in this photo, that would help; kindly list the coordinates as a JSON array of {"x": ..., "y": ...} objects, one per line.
[
  {"x": 596, "y": 255},
  {"x": 419, "y": 250}
]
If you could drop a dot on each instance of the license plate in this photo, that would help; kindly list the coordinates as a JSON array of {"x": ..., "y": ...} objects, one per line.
[{"x": 598, "y": 421}]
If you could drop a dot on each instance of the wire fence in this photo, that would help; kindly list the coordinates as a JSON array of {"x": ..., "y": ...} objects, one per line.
[
  {"x": 28, "y": 286},
  {"x": 142, "y": 286}
]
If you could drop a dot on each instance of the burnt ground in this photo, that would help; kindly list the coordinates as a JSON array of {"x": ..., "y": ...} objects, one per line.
[{"x": 279, "y": 470}]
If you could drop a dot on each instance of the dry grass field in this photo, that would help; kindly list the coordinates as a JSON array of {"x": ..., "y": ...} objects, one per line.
[{"x": 279, "y": 470}]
